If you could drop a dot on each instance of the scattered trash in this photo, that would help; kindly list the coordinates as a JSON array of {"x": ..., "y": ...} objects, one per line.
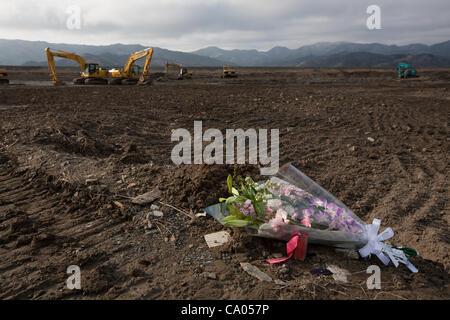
[
  {"x": 255, "y": 272},
  {"x": 325, "y": 272},
  {"x": 147, "y": 198},
  {"x": 371, "y": 139},
  {"x": 118, "y": 204},
  {"x": 200, "y": 214},
  {"x": 339, "y": 274},
  {"x": 217, "y": 238}
]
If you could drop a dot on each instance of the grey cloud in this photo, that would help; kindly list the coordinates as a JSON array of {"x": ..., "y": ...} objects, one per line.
[{"x": 189, "y": 25}]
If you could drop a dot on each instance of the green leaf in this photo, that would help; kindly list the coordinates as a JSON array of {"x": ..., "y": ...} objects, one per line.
[
  {"x": 234, "y": 191},
  {"x": 222, "y": 199},
  {"x": 230, "y": 182},
  {"x": 237, "y": 223}
]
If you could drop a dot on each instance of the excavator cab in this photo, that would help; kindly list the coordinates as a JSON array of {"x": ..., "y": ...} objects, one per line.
[
  {"x": 405, "y": 70},
  {"x": 91, "y": 69},
  {"x": 228, "y": 72},
  {"x": 136, "y": 71}
]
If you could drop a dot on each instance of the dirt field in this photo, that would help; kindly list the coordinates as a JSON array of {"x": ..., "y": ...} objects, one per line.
[{"x": 71, "y": 159}]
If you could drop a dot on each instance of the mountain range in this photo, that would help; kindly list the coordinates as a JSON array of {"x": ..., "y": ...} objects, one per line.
[{"x": 324, "y": 54}]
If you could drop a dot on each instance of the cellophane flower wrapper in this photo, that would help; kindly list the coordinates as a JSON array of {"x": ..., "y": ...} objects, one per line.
[
  {"x": 301, "y": 205},
  {"x": 290, "y": 203}
]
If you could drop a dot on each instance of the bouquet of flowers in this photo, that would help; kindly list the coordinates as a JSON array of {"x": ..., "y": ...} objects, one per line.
[{"x": 291, "y": 204}]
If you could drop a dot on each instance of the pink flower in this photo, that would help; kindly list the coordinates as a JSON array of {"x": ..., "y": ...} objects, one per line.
[
  {"x": 307, "y": 212},
  {"x": 306, "y": 222}
]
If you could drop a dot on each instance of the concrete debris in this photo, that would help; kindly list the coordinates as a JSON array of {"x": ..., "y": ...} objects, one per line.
[
  {"x": 255, "y": 272},
  {"x": 147, "y": 198},
  {"x": 217, "y": 238},
  {"x": 339, "y": 274}
]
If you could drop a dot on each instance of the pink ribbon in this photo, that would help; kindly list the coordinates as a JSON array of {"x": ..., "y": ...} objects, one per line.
[{"x": 296, "y": 246}]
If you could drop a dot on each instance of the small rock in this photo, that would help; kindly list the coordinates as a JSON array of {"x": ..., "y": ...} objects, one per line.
[
  {"x": 118, "y": 204},
  {"x": 217, "y": 238},
  {"x": 255, "y": 272},
  {"x": 157, "y": 213},
  {"x": 172, "y": 238},
  {"x": 280, "y": 282},
  {"x": 131, "y": 185},
  {"x": 147, "y": 198},
  {"x": 209, "y": 275},
  {"x": 91, "y": 181},
  {"x": 154, "y": 207},
  {"x": 352, "y": 149},
  {"x": 200, "y": 214},
  {"x": 424, "y": 150},
  {"x": 371, "y": 139},
  {"x": 284, "y": 269}
]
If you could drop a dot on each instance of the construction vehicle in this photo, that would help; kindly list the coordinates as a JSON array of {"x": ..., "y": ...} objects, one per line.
[
  {"x": 131, "y": 73},
  {"x": 4, "y": 77},
  {"x": 227, "y": 72},
  {"x": 91, "y": 73},
  {"x": 183, "y": 72},
  {"x": 405, "y": 70}
]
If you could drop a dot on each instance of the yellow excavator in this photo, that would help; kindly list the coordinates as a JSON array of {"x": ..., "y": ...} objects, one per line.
[
  {"x": 3, "y": 76},
  {"x": 131, "y": 73},
  {"x": 227, "y": 72},
  {"x": 183, "y": 72},
  {"x": 91, "y": 73}
]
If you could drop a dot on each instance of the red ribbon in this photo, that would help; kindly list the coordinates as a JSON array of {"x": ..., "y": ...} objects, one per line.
[{"x": 296, "y": 246}]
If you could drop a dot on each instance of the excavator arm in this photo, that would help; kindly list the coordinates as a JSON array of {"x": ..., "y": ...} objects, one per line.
[
  {"x": 144, "y": 75},
  {"x": 62, "y": 54},
  {"x": 172, "y": 65},
  {"x": 128, "y": 69}
]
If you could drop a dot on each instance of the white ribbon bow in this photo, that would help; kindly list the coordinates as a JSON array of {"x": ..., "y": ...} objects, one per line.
[{"x": 377, "y": 247}]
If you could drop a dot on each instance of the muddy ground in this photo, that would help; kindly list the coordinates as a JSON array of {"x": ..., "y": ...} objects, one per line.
[{"x": 71, "y": 159}]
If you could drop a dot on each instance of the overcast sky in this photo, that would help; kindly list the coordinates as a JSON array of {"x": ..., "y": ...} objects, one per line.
[{"x": 188, "y": 25}]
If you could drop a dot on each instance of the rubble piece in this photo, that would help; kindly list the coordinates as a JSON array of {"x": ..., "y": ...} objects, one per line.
[
  {"x": 118, "y": 204},
  {"x": 217, "y": 238},
  {"x": 147, "y": 197},
  {"x": 339, "y": 274},
  {"x": 157, "y": 213},
  {"x": 255, "y": 272},
  {"x": 209, "y": 275},
  {"x": 91, "y": 181},
  {"x": 280, "y": 282}
]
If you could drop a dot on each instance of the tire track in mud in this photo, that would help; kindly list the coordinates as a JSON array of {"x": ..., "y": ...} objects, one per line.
[{"x": 40, "y": 236}]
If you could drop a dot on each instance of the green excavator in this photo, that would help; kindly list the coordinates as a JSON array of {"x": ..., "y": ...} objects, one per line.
[{"x": 406, "y": 71}]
